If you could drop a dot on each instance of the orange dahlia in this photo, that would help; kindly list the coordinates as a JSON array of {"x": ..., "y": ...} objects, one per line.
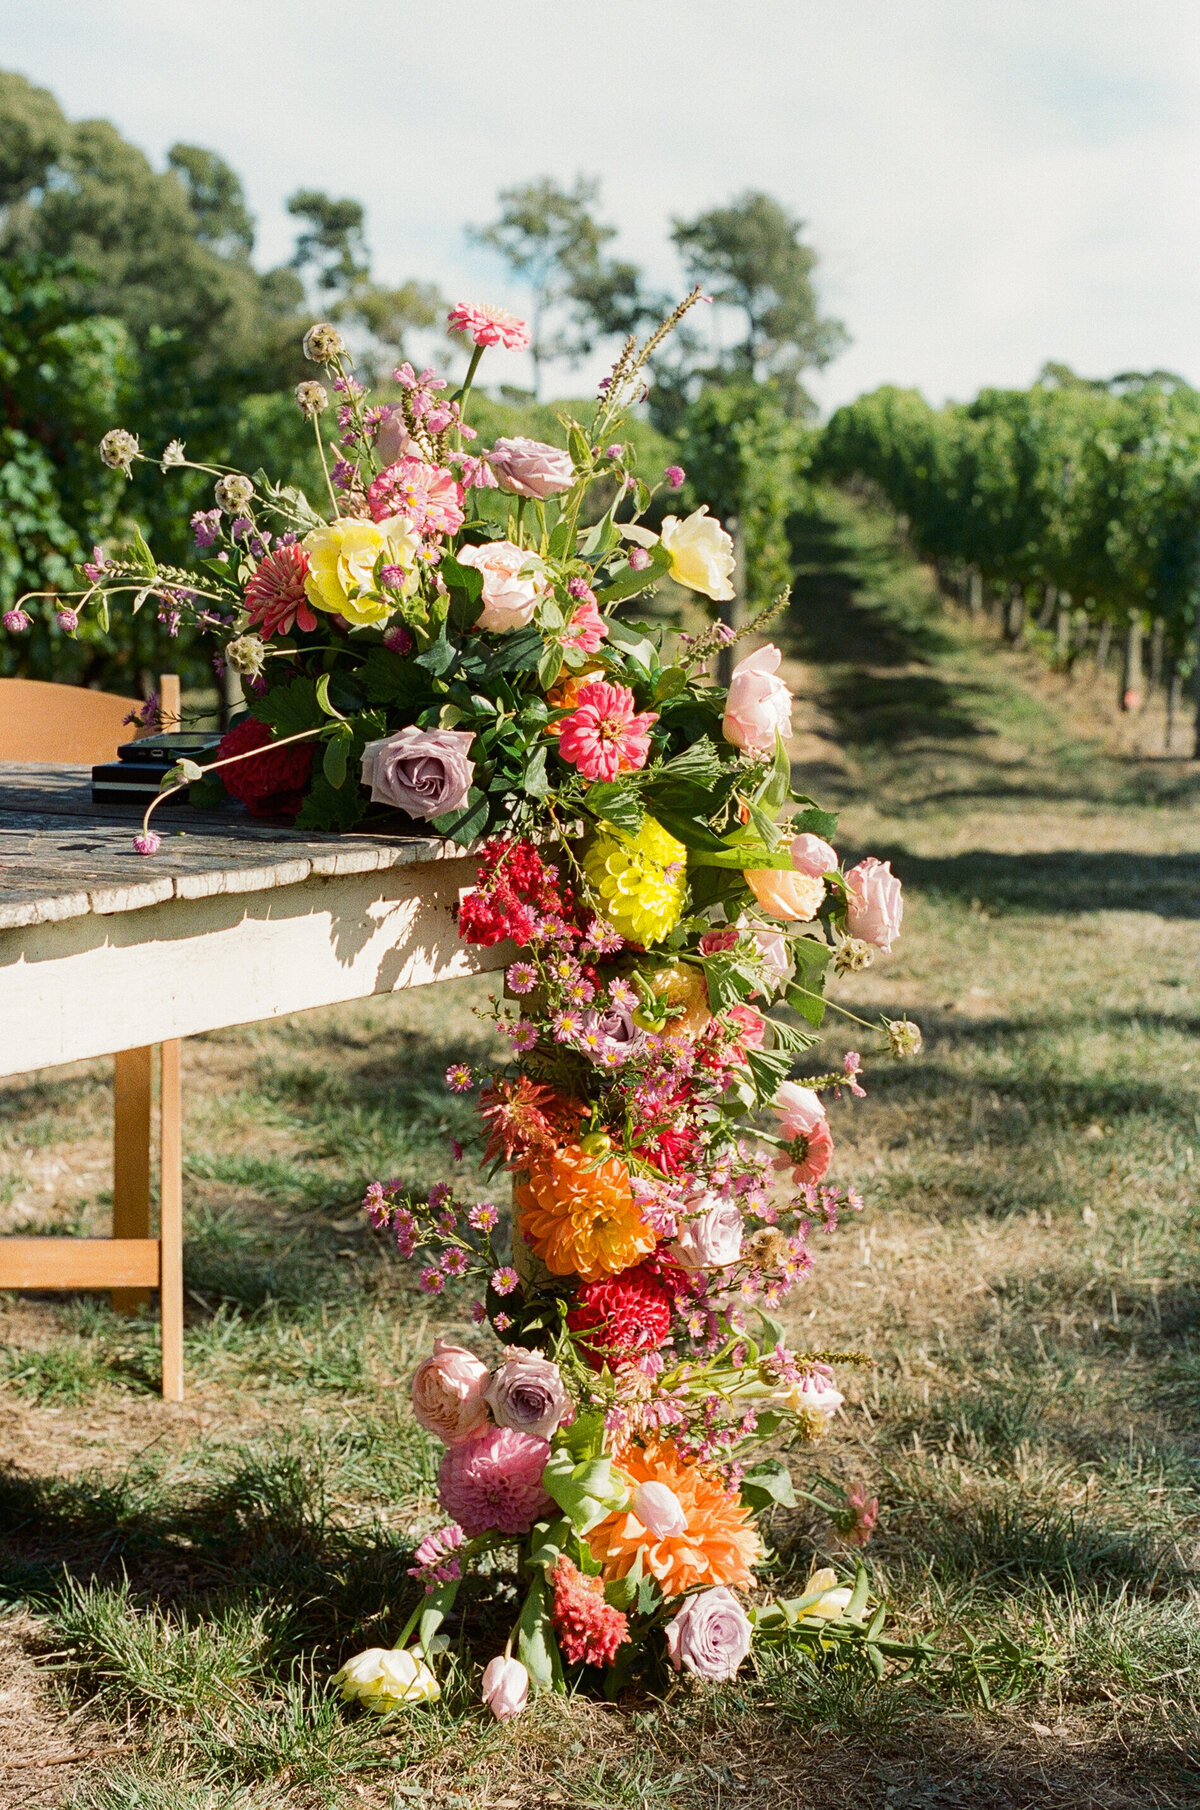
[
  {"x": 578, "y": 1216},
  {"x": 717, "y": 1545}
]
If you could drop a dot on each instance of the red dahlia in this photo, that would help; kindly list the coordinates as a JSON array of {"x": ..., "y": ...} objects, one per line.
[
  {"x": 273, "y": 783},
  {"x": 623, "y": 1315},
  {"x": 275, "y": 596}
]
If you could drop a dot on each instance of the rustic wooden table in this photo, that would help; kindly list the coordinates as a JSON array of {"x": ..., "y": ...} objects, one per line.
[{"x": 103, "y": 950}]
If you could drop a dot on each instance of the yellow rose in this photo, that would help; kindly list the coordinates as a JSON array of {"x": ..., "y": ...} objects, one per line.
[
  {"x": 835, "y": 1597},
  {"x": 382, "y": 1677},
  {"x": 341, "y": 566},
  {"x": 701, "y": 551}
]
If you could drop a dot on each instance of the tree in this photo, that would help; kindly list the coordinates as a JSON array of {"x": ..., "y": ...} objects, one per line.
[
  {"x": 745, "y": 458},
  {"x": 332, "y": 252},
  {"x": 550, "y": 238},
  {"x": 749, "y": 256}
]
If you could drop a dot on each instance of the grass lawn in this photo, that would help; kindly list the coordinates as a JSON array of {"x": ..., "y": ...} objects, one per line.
[{"x": 181, "y": 1582}]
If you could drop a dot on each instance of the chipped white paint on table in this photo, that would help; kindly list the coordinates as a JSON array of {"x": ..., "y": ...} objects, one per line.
[{"x": 232, "y": 921}]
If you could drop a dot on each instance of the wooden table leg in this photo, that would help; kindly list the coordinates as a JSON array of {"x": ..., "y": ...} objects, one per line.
[
  {"x": 131, "y": 1159},
  {"x": 171, "y": 1223}
]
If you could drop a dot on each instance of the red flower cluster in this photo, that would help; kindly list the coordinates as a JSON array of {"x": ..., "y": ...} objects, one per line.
[
  {"x": 625, "y": 1314},
  {"x": 670, "y": 1141},
  {"x": 589, "y": 1630},
  {"x": 515, "y": 888},
  {"x": 273, "y": 784}
]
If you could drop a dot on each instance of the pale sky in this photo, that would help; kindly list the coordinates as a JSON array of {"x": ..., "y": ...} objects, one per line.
[{"x": 988, "y": 183}]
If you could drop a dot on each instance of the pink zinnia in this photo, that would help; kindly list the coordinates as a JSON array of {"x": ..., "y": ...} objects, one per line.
[
  {"x": 587, "y": 628},
  {"x": 489, "y": 326},
  {"x": 604, "y": 735},
  {"x": 428, "y": 495},
  {"x": 493, "y": 1483},
  {"x": 275, "y": 596}
]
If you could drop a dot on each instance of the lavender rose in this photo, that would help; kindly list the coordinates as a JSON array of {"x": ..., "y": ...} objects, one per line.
[
  {"x": 422, "y": 771},
  {"x": 710, "y": 1636},
  {"x": 530, "y": 467},
  {"x": 608, "y": 1035},
  {"x": 712, "y": 1239},
  {"x": 527, "y": 1394}
]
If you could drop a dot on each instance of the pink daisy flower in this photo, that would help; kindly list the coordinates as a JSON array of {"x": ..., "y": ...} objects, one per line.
[
  {"x": 428, "y": 495},
  {"x": 432, "y": 1282},
  {"x": 489, "y": 326},
  {"x": 505, "y": 1280},
  {"x": 459, "y": 1078},
  {"x": 484, "y": 1216},
  {"x": 605, "y": 735},
  {"x": 494, "y": 1482},
  {"x": 587, "y": 628}
]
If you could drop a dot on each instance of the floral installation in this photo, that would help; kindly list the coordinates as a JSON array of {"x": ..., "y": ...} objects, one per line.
[{"x": 428, "y": 654}]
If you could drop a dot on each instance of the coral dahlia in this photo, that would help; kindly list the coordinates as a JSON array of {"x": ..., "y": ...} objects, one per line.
[
  {"x": 589, "y": 1630},
  {"x": 717, "y": 1546},
  {"x": 580, "y": 1217},
  {"x": 605, "y": 735},
  {"x": 275, "y": 596}
]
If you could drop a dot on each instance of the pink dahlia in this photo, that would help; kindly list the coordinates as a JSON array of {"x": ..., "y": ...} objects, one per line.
[
  {"x": 493, "y": 1483},
  {"x": 489, "y": 326},
  {"x": 604, "y": 735},
  {"x": 587, "y": 627},
  {"x": 275, "y": 596},
  {"x": 430, "y": 496}
]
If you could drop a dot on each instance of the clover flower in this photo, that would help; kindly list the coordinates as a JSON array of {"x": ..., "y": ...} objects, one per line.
[
  {"x": 323, "y": 343},
  {"x": 119, "y": 449}
]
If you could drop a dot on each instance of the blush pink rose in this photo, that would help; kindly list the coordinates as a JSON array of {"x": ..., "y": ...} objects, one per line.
[
  {"x": 874, "y": 905},
  {"x": 710, "y": 1636},
  {"x": 530, "y": 468},
  {"x": 448, "y": 1393},
  {"x": 759, "y": 704},
  {"x": 712, "y": 1237},
  {"x": 811, "y": 855},
  {"x": 511, "y": 586}
]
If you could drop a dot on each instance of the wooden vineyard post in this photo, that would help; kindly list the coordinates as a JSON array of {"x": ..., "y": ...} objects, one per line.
[
  {"x": 131, "y": 1159},
  {"x": 170, "y": 1227}
]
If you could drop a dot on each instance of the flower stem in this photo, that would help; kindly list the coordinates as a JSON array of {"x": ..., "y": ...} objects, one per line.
[
  {"x": 333, "y": 502},
  {"x": 230, "y": 760}
]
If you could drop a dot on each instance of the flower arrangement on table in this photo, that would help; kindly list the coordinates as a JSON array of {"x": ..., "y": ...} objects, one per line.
[{"x": 666, "y": 895}]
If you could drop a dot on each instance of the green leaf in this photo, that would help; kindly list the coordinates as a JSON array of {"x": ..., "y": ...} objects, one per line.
[
  {"x": 517, "y": 652},
  {"x": 779, "y": 783},
  {"x": 330, "y": 808},
  {"x": 787, "y": 1037},
  {"x": 333, "y": 762},
  {"x": 550, "y": 665},
  {"x": 140, "y": 554},
  {"x": 858, "y": 1599},
  {"x": 768, "y": 1068},
  {"x": 804, "y": 993},
  {"x": 616, "y": 803},
  {"x": 817, "y": 823},
  {"x": 438, "y": 1605},
  {"x": 438, "y": 657},
  {"x": 586, "y": 1492},
  {"x": 581, "y": 452},
  {"x": 323, "y": 698},
  {"x": 672, "y": 680},
  {"x": 536, "y": 783},
  {"x": 537, "y": 1648},
  {"x": 388, "y": 678},
  {"x": 465, "y": 585},
  {"x": 768, "y": 1482},
  {"x": 289, "y": 709},
  {"x": 466, "y": 825},
  {"x": 635, "y": 645}
]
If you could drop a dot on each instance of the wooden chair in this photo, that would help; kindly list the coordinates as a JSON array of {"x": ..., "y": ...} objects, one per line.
[{"x": 42, "y": 722}]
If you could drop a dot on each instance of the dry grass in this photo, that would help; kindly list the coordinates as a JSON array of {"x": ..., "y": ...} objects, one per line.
[{"x": 1026, "y": 1274}]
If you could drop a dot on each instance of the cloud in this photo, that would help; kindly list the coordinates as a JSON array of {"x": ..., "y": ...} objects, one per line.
[{"x": 987, "y": 187}]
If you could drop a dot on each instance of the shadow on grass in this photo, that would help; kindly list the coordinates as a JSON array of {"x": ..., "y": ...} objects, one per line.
[
  {"x": 857, "y": 594},
  {"x": 1061, "y": 881}
]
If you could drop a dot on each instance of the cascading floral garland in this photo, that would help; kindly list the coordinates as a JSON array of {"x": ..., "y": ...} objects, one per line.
[{"x": 454, "y": 640}]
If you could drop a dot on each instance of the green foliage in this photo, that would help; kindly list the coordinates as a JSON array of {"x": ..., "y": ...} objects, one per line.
[{"x": 747, "y": 458}]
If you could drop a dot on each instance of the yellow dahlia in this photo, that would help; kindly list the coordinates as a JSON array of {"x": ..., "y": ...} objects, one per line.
[
  {"x": 641, "y": 880},
  {"x": 580, "y": 1217},
  {"x": 716, "y": 1542}
]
